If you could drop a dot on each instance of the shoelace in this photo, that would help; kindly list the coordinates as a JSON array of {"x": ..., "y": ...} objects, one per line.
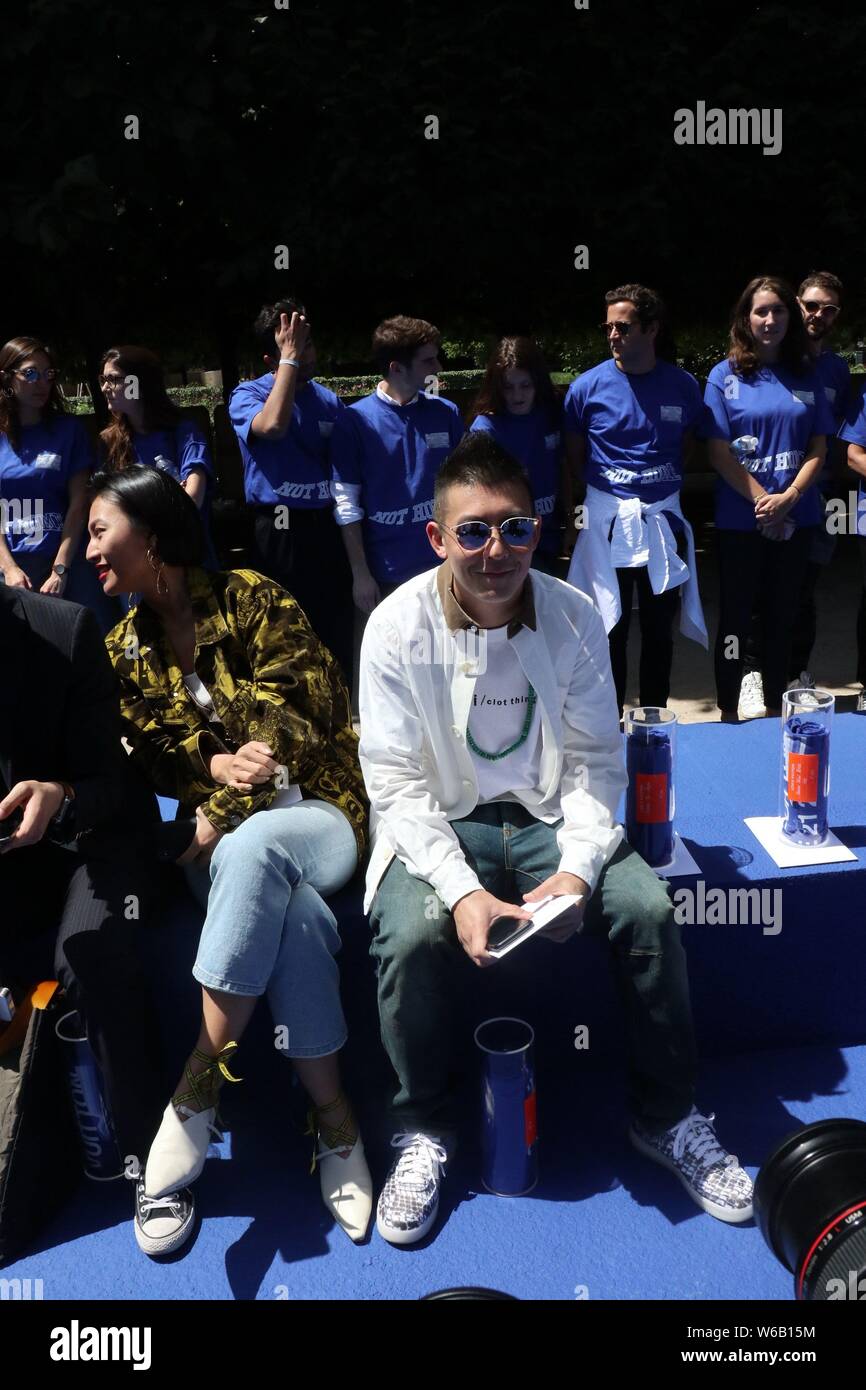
[
  {"x": 704, "y": 1146},
  {"x": 173, "y": 1201},
  {"x": 419, "y": 1154}
]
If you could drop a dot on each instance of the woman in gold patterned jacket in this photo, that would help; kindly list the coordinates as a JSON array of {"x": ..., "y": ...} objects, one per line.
[{"x": 232, "y": 705}]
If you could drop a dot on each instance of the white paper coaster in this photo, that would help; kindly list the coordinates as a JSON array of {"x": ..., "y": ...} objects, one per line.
[
  {"x": 766, "y": 830},
  {"x": 683, "y": 862}
]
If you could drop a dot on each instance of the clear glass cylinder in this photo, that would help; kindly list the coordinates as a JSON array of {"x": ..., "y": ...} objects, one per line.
[
  {"x": 804, "y": 784},
  {"x": 650, "y": 753}
]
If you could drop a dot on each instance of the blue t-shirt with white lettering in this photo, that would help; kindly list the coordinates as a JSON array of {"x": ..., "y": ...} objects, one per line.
[
  {"x": 634, "y": 423},
  {"x": 34, "y": 482},
  {"x": 393, "y": 452},
  {"x": 536, "y": 442},
  {"x": 853, "y": 431},
  {"x": 782, "y": 410},
  {"x": 294, "y": 471},
  {"x": 175, "y": 451}
]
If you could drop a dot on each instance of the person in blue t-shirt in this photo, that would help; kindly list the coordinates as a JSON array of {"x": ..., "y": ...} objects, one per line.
[
  {"x": 767, "y": 398},
  {"x": 853, "y": 433},
  {"x": 283, "y": 421},
  {"x": 46, "y": 459},
  {"x": 518, "y": 404},
  {"x": 820, "y": 301},
  {"x": 629, "y": 423},
  {"x": 148, "y": 430},
  {"x": 385, "y": 453}
]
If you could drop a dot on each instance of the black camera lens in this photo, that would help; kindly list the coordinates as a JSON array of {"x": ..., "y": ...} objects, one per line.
[
  {"x": 475, "y": 1294},
  {"x": 810, "y": 1204}
]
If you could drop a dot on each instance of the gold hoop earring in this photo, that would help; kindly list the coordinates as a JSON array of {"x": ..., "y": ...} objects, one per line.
[{"x": 157, "y": 569}]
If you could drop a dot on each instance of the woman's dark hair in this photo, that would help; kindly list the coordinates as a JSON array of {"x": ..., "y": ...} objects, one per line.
[
  {"x": 157, "y": 408},
  {"x": 159, "y": 507},
  {"x": 794, "y": 349},
  {"x": 525, "y": 355},
  {"x": 479, "y": 461},
  {"x": 12, "y": 354}
]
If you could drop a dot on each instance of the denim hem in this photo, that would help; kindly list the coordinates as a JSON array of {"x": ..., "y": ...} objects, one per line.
[{"x": 205, "y": 977}]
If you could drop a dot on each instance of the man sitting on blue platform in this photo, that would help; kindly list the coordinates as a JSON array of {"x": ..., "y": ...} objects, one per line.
[{"x": 491, "y": 751}]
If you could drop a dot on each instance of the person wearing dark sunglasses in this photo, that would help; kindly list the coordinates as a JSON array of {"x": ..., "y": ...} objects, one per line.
[
  {"x": 492, "y": 756},
  {"x": 629, "y": 424},
  {"x": 820, "y": 300}
]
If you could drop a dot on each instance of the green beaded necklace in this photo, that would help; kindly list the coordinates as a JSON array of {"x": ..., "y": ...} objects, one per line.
[{"x": 524, "y": 734}]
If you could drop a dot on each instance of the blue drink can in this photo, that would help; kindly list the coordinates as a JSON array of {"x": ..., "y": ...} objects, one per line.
[
  {"x": 99, "y": 1145},
  {"x": 510, "y": 1126}
]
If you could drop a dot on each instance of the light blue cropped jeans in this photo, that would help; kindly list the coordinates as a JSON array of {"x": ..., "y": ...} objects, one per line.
[{"x": 267, "y": 928}]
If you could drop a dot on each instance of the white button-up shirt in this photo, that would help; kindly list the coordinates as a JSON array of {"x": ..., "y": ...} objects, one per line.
[{"x": 419, "y": 661}]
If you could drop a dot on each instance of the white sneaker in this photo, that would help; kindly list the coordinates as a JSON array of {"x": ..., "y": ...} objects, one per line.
[
  {"x": 752, "y": 695},
  {"x": 861, "y": 701},
  {"x": 805, "y": 681},
  {"x": 409, "y": 1201},
  {"x": 712, "y": 1177}
]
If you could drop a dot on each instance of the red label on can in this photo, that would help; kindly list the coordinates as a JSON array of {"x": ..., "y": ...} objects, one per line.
[
  {"x": 530, "y": 1123},
  {"x": 651, "y": 797},
  {"x": 803, "y": 778}
]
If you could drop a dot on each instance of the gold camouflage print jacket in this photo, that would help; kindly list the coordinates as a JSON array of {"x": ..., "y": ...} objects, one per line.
[{"x": 269, "y": 678}]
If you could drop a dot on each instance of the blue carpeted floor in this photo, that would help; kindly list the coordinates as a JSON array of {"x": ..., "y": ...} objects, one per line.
[
  {"x": 602, "y": 1219},
  {"x": 781, "y": 1022}
]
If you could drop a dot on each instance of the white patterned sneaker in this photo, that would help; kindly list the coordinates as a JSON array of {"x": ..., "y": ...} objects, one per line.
[
  {"x": 752, "y": 695},
  {"x": 712, "y": 1177},
  {"x": 409, "y": 1201}
]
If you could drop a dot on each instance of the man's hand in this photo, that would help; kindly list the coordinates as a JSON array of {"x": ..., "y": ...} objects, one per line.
[
  {"x": 251, "y": 765},
  {"x": 365, "y": 591},
  {"x": 472, "y": 918},
  {"x": 40, "y": 802},
  {"x": 15, "y": 578},
  {"x": 205, "y": 841},
  {"x": 54, "y": 584},
  {"x": 292, "y": 338},
  {"x": 563, "y": 927}
]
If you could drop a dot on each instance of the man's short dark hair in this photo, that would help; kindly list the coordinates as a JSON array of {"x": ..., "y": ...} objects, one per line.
[
  {"x": 479, "y": 461},
  {"x": 268, "y": 321},
  {"x": 823, "y": 280},
  {"x": 648, "y": 304},
  {"x": 398, "y": 339}
]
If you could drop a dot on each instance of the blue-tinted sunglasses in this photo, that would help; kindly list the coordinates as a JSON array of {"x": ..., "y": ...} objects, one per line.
[{"x": 517, "y": 532}]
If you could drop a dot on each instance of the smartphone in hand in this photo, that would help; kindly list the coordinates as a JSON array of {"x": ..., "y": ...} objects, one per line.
[{"x": 507, "y": 932}]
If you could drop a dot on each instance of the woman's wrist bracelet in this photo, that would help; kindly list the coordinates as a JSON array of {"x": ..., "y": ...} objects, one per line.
[
  {"x": 289, "y": 362},
  {"x": 796, "y": 489}
]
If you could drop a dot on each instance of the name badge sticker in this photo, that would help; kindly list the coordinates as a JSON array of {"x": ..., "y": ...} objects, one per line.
[
  {"x": 326, "y": 428},
  {"x": 551, "y": 441},
  {"x": 672, "y": 413},
  {"x": 806, "y": 397},
  {"x": 46, "y": 460},
  {"x": 440, "y": 440}
]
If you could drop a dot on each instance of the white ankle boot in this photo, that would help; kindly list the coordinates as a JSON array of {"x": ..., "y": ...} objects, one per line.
[
  {"x": 178, "y": 1152},
  {"x": 347, "y": 1188}
]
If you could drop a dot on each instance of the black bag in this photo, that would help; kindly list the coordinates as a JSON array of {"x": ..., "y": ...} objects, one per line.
[{"x": 40, "y": 1158}]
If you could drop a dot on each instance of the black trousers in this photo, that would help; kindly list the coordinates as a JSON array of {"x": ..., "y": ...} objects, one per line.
[
  {"x": 309, "y": 560},
  {"x": 67, "y": 915},
  {"x": 768, "y": 575},
  {"x": 656, "y": 613}
]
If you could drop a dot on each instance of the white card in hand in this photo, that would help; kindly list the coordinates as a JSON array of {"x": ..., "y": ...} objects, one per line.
[{"x": 543, "y": 913}]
